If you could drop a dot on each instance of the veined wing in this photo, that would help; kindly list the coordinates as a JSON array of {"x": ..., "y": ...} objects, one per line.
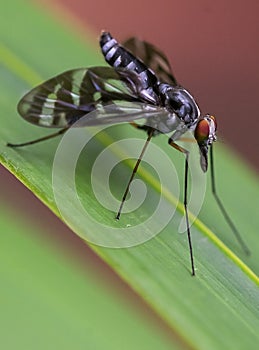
[
  {"x": 153, "y": 58},
  {"x": 121, "y": 111},
  {"x": 66, "y": 98}
]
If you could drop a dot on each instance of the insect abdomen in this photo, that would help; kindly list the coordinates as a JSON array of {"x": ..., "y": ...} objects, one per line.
[{"x": 118, "y": 57}]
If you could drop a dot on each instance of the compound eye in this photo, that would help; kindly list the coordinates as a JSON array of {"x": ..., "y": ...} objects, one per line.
[{"x": 202, "y": 131}]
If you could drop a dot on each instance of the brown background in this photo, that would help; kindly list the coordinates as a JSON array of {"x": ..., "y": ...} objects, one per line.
[{"x": 214, "y": 50}]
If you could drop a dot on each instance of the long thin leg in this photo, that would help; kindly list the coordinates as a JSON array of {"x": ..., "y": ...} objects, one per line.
[
  {"x": 186, "y": 153},
  {"x": 150, "y": 134},
  {"x": 222, "y": 208},
  {"x": 60, "y": 132}
]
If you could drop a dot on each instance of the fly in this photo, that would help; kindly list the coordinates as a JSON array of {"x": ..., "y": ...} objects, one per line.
[{"x": 138, "y": 84}]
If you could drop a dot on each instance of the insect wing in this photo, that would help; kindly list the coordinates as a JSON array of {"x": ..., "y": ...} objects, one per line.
[
  {"x": 153, "y": 59},
  {"x": 54, "y": 102},
  {"x": 122, "y": 111},
  {"x": 62, "y": 100}
]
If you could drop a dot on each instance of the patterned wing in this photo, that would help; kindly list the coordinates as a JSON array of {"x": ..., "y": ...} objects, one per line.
[
  {"x": 66, "y": 98},
  {"x": 153, "y": 59}
]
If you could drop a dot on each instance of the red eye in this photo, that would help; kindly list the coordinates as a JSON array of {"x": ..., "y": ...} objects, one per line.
[{"x": 202, "y": 131}]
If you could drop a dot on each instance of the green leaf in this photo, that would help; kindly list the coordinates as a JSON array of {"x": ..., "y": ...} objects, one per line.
[
  {"x": 216, "y": 309},
  {"x": 49, "y": 302}
]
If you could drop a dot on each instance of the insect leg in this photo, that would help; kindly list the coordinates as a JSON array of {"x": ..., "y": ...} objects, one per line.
[
  {"x": 60, "y": 132},
  {"x": 186, "y": 153},
  {"x": 150, "y": 134},
  {"x": 137, "y": 126},
  {"x": 222, "y": 208}
]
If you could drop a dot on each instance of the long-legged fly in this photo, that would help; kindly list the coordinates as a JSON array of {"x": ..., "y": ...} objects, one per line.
[{"x": 138, "y": 84}]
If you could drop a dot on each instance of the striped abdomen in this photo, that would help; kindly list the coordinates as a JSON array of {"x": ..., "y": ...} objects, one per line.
[{"x": 118, "y": 57}]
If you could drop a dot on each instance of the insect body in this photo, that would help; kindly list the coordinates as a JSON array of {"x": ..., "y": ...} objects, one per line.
[
  {"x": 174, "y": 98},
  {"x": 139, "y": 84}
]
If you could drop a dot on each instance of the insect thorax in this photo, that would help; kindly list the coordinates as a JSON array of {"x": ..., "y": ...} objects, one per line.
[
  {"x": 163, "y": 124},
  {"x": 179, "y": 101}
]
